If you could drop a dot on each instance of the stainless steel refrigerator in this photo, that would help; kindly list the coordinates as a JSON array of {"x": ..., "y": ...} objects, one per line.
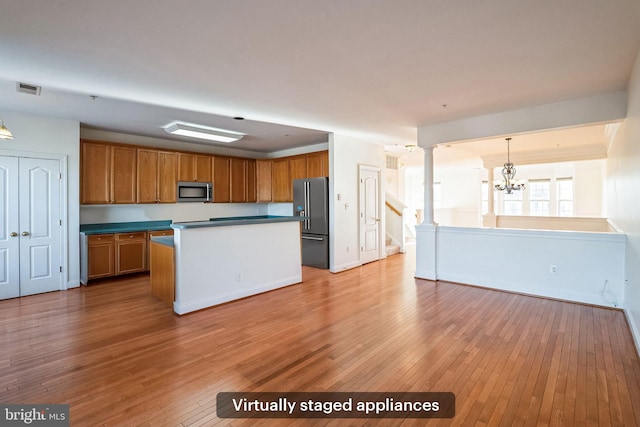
[{"x": 311, "y": 199}]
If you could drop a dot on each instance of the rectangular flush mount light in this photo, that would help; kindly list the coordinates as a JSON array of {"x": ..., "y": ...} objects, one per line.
[{"x": 202, "y": 132}]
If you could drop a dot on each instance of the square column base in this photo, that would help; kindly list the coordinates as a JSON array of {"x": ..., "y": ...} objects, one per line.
[{"x": 426, "y": 250}]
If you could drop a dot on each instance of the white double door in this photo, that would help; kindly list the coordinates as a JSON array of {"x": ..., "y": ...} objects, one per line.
[{"x": 30, "y": 251}]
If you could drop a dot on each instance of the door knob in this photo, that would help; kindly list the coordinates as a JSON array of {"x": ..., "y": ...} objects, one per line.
[
  {"x": 13, "y": 234},
  {"x": 25, "y": 233}
]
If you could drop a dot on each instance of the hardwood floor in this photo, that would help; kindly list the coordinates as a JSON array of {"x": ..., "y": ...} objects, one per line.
[{"x": 119, "y": 356}]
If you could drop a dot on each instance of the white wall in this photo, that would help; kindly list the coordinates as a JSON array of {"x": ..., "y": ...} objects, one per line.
[
  {"x": 590, "y": 266},
  {"x": 42, "y": 135},
  {"x": 623, "y": 197},
  {"x": 346, "y": 154}
]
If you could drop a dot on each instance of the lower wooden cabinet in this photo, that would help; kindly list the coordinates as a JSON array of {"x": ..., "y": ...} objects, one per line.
[
  {"x": 106, "y": 255},
  {"x": 131, "y": 252},
  {"x": 100, "y": 256},
  {"x": 155, "y": 233}
]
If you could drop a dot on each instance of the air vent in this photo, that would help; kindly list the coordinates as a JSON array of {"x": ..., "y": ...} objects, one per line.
[
  {"x": 392, "y": 162},
  {"x": 28, "y": 89}
]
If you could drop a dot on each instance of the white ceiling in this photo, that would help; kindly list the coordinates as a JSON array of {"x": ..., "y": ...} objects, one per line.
[{"x": 372, "y": 69}]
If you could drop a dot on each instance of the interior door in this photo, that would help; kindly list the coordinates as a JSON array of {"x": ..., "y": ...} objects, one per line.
[
  {"x": 39, "y": 233},
  {"x": 9, "y": 240},
  {"x": 369, "y": 214}
]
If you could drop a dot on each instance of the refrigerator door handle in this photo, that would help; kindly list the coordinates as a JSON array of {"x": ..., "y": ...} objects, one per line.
[
  {"x": 307, "y": 209},
  {"x": 320, "y": 239}
]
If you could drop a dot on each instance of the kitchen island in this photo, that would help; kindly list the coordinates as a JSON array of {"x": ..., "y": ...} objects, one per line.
[{"x": 224, "y": 259}]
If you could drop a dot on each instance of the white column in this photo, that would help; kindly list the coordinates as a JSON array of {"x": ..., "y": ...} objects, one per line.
[
  {"x": 428, "y": 186},
  {"x": 491, "y": 207},
  {"x": 489, "y": 219},
  {"x": 426, "y": 233}
]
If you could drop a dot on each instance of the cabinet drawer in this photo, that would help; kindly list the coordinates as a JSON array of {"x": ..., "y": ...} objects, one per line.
[
  {"x": 157, "y": 233},
  {"x": 100, "y": 238},
  {"x": 131, "y": 236}
]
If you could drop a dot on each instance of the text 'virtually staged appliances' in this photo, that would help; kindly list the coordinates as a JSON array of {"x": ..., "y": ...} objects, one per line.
[
  {"x": 194, "y": 192},
  {"x": 311, "y": 200}
]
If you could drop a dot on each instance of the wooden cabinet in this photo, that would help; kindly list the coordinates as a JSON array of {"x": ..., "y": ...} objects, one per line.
[
  {"x": 167, "y": 177},
  {"x": 155, "y": 233},
  {"x": 263, "y": 181},
  {"x": 157, "y": 176},
  {"x": 100, "y": 256},
  {"x": 280, "y": 181},
  {"x": 297, "y": 168},
  {"x": 108, "y": 173},
  {"x": 221, "y": 180},
  {"x": 243, "y": 180},
  {"x": 147, "y": 191},
  {"x": 252, "y": 195},
  {"x": 163, "y": 273},
  {"x": 318, "y": 164},
  {"x": 131, "y": 252},
  {"x": 194, "y": 167}
]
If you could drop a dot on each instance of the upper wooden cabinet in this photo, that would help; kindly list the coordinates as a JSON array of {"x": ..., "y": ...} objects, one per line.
[
  {"x": 194, "y": 167},
  {"x": 318, "y": 164},
  {"x": 243, "y": 180},
  {"x": 297, "y": 167},
  {"x": 119, "y": 173},
  {"x": 167, "y": 177},
  {"x": 280, "y": 181},
  {"x": 221, "y": 180},
  {"x": 263, "y": 181},
  {"x": 157, "y": 176},
  {"x": 108, "y": 173}
]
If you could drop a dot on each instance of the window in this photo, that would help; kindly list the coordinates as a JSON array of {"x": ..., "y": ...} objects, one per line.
[
  {"x": 539, "y": 191},
  {"x": 513, "y": 203},
  {"x": 565, "y": 196},
  {"x": 437, "y": 195}
]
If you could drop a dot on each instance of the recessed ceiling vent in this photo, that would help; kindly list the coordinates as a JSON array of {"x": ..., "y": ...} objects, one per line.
[{"x": 28, "y": 89}]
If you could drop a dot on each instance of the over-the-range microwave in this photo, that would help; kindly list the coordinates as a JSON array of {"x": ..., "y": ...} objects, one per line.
[{"x": 195, "y": 192}]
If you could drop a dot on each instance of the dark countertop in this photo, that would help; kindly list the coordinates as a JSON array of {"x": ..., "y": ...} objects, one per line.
[
  {"x": 163, "y": 240},
  {"x": 237, "y": 220},
  {"x": 124, "y": 227}
]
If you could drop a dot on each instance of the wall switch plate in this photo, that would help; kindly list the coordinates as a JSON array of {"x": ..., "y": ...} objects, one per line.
[{"x": 553, "y": 269}]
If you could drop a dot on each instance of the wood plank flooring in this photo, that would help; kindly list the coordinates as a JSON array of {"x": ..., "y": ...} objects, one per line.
[{"x": 120, "y": 357}]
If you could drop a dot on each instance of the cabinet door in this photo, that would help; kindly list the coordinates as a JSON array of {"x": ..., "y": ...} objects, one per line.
[
  {"x": 131, "y": 252},
  {"x": 280, "y": 182},
  {"x": 147, "y": 176},
  {"x": 263, "y": 180},
  {"x": 238, "y": 180},
  {"x": 123, "y": 174},
  {"x": 251, "y": 181},
  {"x": 96, "y": 173},
  {"x": 186, "y": 167},
  {"x": 155, "y": 233},
  {"x": 167, "y": 177},
  {"x": 318, "y": 164},
  {"x": 100, "y": 256},
  {"x": 297, "y": 168},
  {"x": 203, "y": 168},
  {"x": 221, "y": 183}
]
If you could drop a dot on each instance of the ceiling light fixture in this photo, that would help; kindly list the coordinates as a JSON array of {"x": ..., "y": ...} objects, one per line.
[
  {"x": 202, "y": 132},
  {"x": 410, "y": 147},
  {"x": 4, "y": 132},
  {"x": 508, "y": 174}
]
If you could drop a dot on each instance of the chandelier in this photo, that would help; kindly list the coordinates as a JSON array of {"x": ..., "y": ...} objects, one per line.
[{"x": 508, "y": 183}]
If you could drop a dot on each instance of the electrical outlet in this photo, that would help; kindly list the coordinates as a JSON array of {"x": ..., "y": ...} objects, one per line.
[
  {"x": 238, "y": 277},
  {"x": 553, "y": 269}
]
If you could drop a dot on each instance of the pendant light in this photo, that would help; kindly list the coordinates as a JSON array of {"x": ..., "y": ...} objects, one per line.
[
  {"x": 508, "y": 183},
  {"x": 4, "y": 132}
]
